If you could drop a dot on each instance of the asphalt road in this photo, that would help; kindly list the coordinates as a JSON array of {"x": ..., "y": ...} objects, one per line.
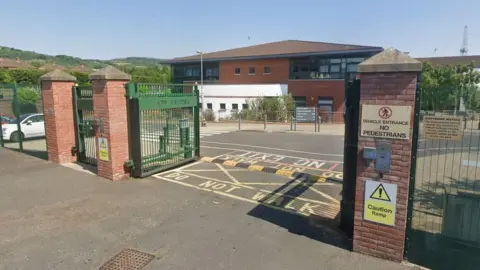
[{"x": 321, "y": 155}]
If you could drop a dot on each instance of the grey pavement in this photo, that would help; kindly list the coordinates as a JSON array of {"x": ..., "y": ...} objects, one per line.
[{"x": 54, "y": 217}]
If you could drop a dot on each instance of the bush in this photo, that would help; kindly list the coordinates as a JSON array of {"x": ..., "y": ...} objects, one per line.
[
  {"x": 27, "y": 98},
  {"x": 209, "y": 115}
]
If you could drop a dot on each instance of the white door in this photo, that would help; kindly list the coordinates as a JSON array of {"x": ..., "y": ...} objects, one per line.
[{"x": 33, "y": 126}]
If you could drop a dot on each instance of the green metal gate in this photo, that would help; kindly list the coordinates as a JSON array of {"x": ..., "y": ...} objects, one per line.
[
  {"x": 443, "y": 222},
  {"x": 164, "y": 126},
  {"x": 85, "y": 146}
]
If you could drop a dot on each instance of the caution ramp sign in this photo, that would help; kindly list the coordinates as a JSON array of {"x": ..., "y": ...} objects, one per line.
[{"x": 380, "y": 202}]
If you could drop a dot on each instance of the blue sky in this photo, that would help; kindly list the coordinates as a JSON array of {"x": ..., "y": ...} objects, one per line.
[{"x": 107, "y": 29}]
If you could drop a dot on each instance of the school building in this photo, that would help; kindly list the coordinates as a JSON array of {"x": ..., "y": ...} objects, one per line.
[{"x": 313, "y": 72}]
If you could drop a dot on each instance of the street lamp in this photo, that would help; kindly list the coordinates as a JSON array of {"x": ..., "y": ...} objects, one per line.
[{"x": 204, "y": 123}]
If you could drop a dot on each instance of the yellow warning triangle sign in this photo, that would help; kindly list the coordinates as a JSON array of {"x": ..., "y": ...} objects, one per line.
[
  {"x": 380, "y": 194},
  {"x": 102, "y": 144}
]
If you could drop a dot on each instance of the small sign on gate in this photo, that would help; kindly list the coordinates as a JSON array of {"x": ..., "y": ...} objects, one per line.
[
  {"x": 103, "y": 149},
  {"x": 380, "y": 202}
]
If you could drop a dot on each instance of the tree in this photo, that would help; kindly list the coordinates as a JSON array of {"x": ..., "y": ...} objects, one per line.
[
  {"x": 27, "y": 98},
  {"x": 442, "y": 87}
]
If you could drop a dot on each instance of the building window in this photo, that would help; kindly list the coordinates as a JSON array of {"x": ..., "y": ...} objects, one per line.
[
  {"x": 300, "y": 101},
  {"x": 237, "y": 71},
  {"x": 244, "y": 106},
  {"x": 235, "y": 106},
  {"x": 223, "y": 106},
  {"x": 267, "y": 70},
  {"x": 317, "y": 67},
  {"x": 209, "y": 106},
  {"x": 251, "y": 71},
  {"x": 325, "y": 109},
  {"x": 200, "y": 105},
  {"x": 211, "y": 72}
]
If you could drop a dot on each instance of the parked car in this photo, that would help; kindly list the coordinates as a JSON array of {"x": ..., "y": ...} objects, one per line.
[
  {"x": 31, "y": 126},
  {"x": 5, "y": 119}
]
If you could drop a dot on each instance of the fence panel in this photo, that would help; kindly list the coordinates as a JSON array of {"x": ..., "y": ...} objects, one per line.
[
  {"x": 444, "y": 219},
  {"x": 274, "y": 121}
]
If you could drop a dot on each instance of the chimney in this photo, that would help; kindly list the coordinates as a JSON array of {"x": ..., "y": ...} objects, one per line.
[{"x": 17, "y": 59}]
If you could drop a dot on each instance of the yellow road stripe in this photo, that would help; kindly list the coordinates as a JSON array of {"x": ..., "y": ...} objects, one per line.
[
  {"x": 255, "y": 168},
  {"x": 287, "y": 173},
  {"x": 230, "y": 163},
  {"x": 207, "y": 159}
]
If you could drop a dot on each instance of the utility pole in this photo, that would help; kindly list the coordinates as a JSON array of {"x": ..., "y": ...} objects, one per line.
[{"x": 204, "y": 122}]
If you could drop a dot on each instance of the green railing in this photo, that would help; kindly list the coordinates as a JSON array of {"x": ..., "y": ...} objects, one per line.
[
  {"x": 164, "y": 126},
  {"x": 85, "y": 133}
]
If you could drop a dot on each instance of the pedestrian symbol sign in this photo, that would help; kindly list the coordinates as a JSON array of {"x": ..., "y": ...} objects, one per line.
[
  {"x": 380, "y": 194},
  {"x": 103, "y": 149},
  {"x": 380, "y": 202}
]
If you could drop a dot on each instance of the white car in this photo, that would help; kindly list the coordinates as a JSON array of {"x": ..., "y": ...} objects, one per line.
[{"x": 31, "y": 126}]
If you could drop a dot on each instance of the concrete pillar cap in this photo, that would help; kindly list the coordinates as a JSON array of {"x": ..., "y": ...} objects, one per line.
[
  {"x": 59, "y": 76},
  {"x": 109, "y": 73},
  {"x": 390, "y": 60}
]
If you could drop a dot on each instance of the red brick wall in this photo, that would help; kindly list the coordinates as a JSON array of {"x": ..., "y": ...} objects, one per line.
[
  {"x": 59, "y": 122},
  {"x": 370, "y": 238},
  {"x": 279, "y": 71},
  {"x": 321, "y": 88},
  {"x": 110, "y": 105}
]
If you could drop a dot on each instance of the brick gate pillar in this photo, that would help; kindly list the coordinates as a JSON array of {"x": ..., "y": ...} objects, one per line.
[
  {"x": 110, "y": 112},
  {"x": 388, "y": 82},
  {"x": 58, "y": 114}
]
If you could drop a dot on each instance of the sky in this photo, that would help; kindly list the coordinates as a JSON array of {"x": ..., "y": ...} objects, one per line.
[{"x": 106, "y": 29}]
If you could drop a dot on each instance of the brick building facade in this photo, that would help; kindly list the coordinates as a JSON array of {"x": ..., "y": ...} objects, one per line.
[{"x": 315, "y": 72}]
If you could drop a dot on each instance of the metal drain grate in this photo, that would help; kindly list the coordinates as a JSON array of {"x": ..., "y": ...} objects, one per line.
[{"x": 128, "y": 259}]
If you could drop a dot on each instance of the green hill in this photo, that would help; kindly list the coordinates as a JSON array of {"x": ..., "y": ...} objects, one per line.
[{"x": 38, "y": 59}]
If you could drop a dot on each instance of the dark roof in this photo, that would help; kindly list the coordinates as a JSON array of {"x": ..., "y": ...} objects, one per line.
[
  {"x": 284, "y": 48},
  {"x": 452, "y": 60},
  {"x": 17, "y": 63}
]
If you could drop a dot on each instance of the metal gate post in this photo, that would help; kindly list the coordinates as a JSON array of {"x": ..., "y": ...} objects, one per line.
[
  {"x": 134, "y": 130},
  {"x": 196, "y": 117}
]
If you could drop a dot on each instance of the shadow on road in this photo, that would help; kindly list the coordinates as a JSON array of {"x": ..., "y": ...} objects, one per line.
[{"x": 272, "y": 208}]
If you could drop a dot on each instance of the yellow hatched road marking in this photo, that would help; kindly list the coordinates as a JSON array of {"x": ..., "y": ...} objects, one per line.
[
  {"x": 287, "y": 173},
  {"x": 230, "y": 163},
  {"x": 255, "y": 168},
  {"x": 207, "y": 159}
]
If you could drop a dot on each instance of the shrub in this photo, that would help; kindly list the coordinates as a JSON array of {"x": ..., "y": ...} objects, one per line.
[{"x": 27, "y": 98}]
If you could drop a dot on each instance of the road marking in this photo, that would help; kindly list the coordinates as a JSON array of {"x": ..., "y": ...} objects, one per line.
[
  {"x": 273, "y": 148},
  {"x": 233, "y": 150},
  {"x": 214, "y": 179},
  {"x": 323, "y": 194},
  {"x": 186, "y": 166},
  {"x": 253, "y": 188},
  {"x": 257, "y": 168},
  {"x": 215, "y": 170},
  {"x": 280, "y": 184},
  {"x": 288, "y": 210},
  {"x": 227, "y": 173}
]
